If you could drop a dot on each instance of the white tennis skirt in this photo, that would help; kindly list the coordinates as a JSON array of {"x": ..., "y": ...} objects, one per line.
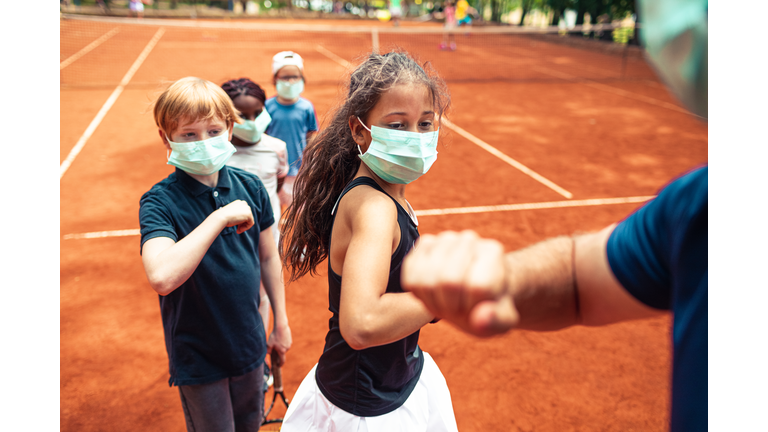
[{"x": 428, "y": 408}]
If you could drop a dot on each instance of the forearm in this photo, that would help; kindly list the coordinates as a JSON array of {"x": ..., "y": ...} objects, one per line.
[
  {"x": 540, "y": 280},
  {"x": 272, "y": 277},
  {"x": 393, "y": 317},
  {"x": 171, "y": 267},
  {"x": 280, "y": 340}
]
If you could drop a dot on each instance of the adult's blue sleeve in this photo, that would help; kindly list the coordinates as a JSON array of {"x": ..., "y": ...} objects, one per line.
[{"x": 648, "y": 249}]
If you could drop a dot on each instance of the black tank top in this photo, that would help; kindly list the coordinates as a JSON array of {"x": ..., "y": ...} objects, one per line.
[{"x": 376, "y": 380}]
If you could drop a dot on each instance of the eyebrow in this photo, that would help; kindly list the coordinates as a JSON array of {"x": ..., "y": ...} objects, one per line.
[{"x": 404, "y": 113}]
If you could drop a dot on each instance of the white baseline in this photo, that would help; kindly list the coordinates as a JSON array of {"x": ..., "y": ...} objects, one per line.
[{"x": 434, "y": 212}]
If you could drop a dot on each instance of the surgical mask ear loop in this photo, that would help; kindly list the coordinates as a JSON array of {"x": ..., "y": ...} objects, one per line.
[
  {"x": 167, "y": 152},
  {"x": 363, "y": 124}
]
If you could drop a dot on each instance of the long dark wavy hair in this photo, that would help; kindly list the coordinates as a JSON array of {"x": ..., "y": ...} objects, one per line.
[{"x": 331, "y": 160}]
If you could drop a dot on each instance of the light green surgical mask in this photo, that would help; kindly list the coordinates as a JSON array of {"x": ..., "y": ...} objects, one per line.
[
  {"x": 250, "y": 131},
  {"x": 287, "y": 90},
  {"x": 399, "y": 157},
  {"x": 201, "y": 157},
  {"x": 674, "y": 33}
]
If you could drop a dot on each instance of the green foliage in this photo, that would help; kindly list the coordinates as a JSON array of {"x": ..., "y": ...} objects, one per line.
[
  {"x": 623, "y": 35},
  {"x": 615, "y": 9}
]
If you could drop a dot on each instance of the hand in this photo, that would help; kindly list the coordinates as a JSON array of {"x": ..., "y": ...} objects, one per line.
[
  {"x": 239, "y": 213},
  {"x": 461, "y": 278},
  {"x": 280, "y": 340}
]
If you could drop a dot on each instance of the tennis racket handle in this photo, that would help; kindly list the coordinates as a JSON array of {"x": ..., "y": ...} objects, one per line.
[{"x": 277, "y": 374}]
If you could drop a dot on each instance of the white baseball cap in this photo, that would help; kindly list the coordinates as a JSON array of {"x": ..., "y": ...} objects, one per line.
[{"x": 286, "y": 58}]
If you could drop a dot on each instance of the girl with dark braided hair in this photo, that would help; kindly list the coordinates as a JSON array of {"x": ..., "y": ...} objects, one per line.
[
  {"x": 372, "y": 375},
  {"x": 260, "y": 154}
]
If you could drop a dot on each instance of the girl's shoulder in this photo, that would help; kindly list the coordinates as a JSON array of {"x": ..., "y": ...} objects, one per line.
[{"x": 364, "y": 204}]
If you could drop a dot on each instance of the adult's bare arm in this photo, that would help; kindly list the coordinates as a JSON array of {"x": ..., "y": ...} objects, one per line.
[{"x": 548, "y": 286}]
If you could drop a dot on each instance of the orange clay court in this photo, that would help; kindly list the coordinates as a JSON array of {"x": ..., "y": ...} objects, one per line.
[{"x": 542, "y": 140}]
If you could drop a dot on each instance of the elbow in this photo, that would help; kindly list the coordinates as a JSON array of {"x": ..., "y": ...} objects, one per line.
[
  {"x": 357, "y": 336},
  {"x": 162, "y": 286},
  {"x": 356, "y": 342}
]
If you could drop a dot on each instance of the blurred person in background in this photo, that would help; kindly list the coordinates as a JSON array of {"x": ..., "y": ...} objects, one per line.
[
  {"x": 653, "y": 261},
  {"x": 137, "y": 8},
  {"x": 293, "y": 117},
  {"x": 395, "y": 11},
  {"x": 449, "y": 12}
]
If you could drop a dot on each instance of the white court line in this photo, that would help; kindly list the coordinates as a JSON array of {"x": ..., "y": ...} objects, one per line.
[
  {"x": 533, "y": 206},
  {"x": 102, "y": 234},
  {"x": 322, "y": 50},
  {"x": 492, "y": 150},
  {"x": 108, "y": 104},
  {"x": 375, "y": 39},
  {"x": 434, "y": 212},
  {"x": 614, "y": 90},
  {"x": 88, "y": 48}
]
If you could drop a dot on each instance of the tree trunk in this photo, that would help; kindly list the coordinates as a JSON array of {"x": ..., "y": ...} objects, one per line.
[
  {"x": 557, "y": 16},
  {"x": 526, "y": 5},
  {"x": 580, "y": 10},
  {"x": 496, "y": 10}
]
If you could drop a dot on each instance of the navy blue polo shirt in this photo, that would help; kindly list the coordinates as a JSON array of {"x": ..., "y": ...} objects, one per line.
[
  {"x": 212, "y": 325},
  {"x": 659, "y": 255}
]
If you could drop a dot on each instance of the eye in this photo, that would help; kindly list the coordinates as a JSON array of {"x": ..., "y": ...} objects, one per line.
[
  {"x": 214, "y": 132},
  {"x": 427, "y": 125},
  {"x": 395, "y": 125}
]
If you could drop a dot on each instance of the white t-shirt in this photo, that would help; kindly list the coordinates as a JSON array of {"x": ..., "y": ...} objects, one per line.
[{"x": 268, "y": 159}]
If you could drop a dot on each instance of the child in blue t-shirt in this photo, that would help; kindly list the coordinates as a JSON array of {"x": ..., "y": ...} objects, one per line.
[
  {"x": 293, "y": 117},
  {"x": 204, "y": 257}
]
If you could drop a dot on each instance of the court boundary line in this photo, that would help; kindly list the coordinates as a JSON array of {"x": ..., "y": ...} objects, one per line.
[
  {"x": 432, "y": 212},
  {"x": 331, "y": 55},
  {"x": 501, "y": 155},
  {"x": 534, "y": 206},
  {"x": 108, "y": 104},
  {"x": 88, "y": 48}
]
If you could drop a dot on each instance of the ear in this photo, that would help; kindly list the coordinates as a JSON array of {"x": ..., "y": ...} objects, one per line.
[
  {"x": 358, "y": 133},
  {"x": 231, "y": 130},
  {"x": 164, "y": 138}
]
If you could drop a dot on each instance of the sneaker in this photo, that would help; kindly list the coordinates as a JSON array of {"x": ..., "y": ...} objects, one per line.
[
  {"x": 268, "y": 378},
  {"x": 442, "y": 46},
  {"x": 453, "y": 46}
]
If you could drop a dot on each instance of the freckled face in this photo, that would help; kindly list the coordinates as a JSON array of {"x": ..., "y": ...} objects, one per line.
[
  {"x": 405, "y": 107},
  {"x": 197, "y": 130}
]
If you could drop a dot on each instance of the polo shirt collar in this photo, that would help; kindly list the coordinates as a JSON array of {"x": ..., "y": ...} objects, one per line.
[{"x": 196, "y": 188}]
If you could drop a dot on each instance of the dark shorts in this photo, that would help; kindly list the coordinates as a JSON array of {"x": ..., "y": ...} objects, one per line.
[{"x": 230, "y": 405}]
